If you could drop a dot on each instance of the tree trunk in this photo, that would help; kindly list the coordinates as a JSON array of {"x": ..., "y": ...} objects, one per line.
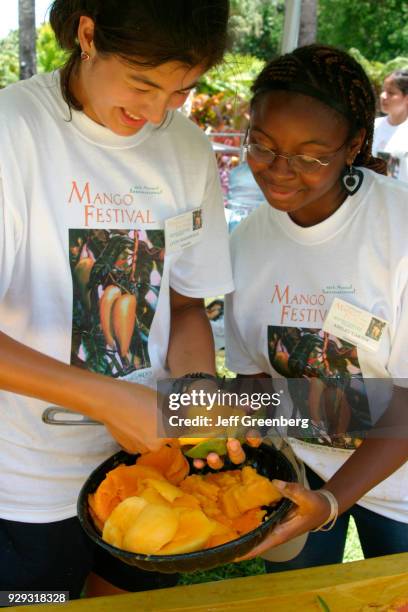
[
  {"x": 27, "y": 38},
  {"x": 308, "y": 23}
]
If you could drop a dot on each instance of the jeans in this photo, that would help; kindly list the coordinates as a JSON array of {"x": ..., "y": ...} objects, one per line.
[{"x": 378, "y": 536}]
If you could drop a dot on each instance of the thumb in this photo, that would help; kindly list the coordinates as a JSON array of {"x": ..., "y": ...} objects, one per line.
[{"x": 291, "y": 490}]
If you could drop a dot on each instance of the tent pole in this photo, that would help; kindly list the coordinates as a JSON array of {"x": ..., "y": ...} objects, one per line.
[{"x": 293, "y": 9}]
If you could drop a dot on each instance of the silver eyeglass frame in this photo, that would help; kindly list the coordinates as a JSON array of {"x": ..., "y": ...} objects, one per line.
[{"x": 289, "y": 158}]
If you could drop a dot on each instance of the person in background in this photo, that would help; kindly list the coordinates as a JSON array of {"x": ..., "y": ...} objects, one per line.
[
  {"x": 332, "y": 227},
  {"x": 99, "y": 295},
  {"x": 391, "y": 132}
]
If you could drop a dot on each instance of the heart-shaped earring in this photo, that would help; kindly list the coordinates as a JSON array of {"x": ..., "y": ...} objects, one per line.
[{"x": 352, "y": 179}]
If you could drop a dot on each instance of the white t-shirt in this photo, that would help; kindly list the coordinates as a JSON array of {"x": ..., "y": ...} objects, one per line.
[
  {"x": 286, "y": 278},
  {"x": 72, "y": 190},
  {"x": 391, "y": 143}
]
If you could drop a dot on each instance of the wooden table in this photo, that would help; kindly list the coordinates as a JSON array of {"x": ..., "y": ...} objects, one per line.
[{"x": 347, "y": 587}]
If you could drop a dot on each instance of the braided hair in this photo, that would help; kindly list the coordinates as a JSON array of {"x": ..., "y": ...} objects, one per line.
[{"x": 333, "y": 77}]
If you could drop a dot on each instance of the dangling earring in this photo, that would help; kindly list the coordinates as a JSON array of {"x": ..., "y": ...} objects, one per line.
[
  {"x": 352, "y": 179},
  {"x": 85, "y": 56}
]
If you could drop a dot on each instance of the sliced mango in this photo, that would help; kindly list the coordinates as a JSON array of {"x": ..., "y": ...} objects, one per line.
[
  {"x": 169, "y": 461},
  {"x": 186, "y": 501},
  {"x": 154, "y": 527},
  {"x": 121, "y": 519},
  {"x": 166, "y": 490},
  {"x": 228, "y": 502},
  {"x": 152, "y": 496},
  {"x": 193, "y": 532},
  {"x": 198, "y": 485},
  {"x": 248, "y": 521}
]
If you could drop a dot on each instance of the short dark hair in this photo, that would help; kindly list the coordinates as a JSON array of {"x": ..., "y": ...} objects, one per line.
[
  {"x": 400, "y": 77},
  {"x": 143, "y": 32},
  {"x": 333, "y": 77}
]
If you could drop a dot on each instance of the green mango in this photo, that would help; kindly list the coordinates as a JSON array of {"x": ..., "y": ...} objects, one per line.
[{"x": 202, "y": 449}]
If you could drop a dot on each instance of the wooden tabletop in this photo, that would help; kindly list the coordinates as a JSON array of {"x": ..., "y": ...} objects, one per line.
[{"x": 360, "y": 586}]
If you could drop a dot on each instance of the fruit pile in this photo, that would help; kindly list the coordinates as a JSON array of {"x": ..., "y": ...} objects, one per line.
[{"x": 155, "y": 508}]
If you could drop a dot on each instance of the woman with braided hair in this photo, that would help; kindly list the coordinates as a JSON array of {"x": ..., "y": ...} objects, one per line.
[{"x": 327, "y": 254}]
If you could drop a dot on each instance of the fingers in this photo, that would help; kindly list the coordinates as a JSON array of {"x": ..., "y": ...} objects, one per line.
[
  {"x": 253, "y": 438},
  {"x": 155, "y": 445},
  {"x": 235, "y": 451},
  {"x": 310, "y": 504},
  {"x": 215, "y": 461},
  {"x": 133, "y": 449},
  {"x": 311, "y": 510},
  {"x": 293, "y": 491},
  {"x": 132, "y": 445},
  {"x": 281, "y": 534}
]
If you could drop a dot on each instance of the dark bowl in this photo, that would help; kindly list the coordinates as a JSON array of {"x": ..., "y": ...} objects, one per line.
[{"x": 265, "y": 459}]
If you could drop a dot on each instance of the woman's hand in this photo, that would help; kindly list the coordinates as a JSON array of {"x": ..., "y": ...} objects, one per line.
[
  {"x": 312, "y": 510},
  {"x": 235, "y": 452},
  {"x": 130, "y": 413},
  {"x": 128, "y": 410}
]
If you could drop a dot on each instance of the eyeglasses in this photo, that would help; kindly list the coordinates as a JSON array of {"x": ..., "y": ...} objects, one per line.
[{"x": 298, "y": 163}]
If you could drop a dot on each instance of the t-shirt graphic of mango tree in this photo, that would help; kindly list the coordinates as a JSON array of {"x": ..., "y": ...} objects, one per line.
[
  {"x": 335, "y": 397},
  {"x": 116, "y": 283}
]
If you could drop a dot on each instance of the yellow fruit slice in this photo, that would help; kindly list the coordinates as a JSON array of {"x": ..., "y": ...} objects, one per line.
[
  {"x": 191, "y": 441},
  {"x": 193, "y": 531},
  {"x": 154, "y": 527},
  {"x": 152, "y": 496},
  {"x": 121, "y": 519},
  {"x": 166, "y": 490}
]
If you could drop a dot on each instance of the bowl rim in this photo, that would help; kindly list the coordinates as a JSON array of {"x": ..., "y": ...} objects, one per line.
[{"x": 90, "y": 529}]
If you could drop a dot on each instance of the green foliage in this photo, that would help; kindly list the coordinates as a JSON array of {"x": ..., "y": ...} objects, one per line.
[
  {"x": 9, "y": 68},
  {"x": 256, "y": 27},
  {"x": 225, "y": 572},
  {"x": 222, "y": 101},
  {"x": 378, "y": 29},
  {"x": 222, "y": 112},
  {"x": 49, "y": 55},
  {"x": 234, "y": 76},
  {"x": 353, "y": 550},
  {"x": 377, "y": 71}
]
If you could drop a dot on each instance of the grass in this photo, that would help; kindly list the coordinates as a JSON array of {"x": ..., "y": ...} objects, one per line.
[
  {"x": 254, "y": 567},
  {"x": 353, "y": 550}
]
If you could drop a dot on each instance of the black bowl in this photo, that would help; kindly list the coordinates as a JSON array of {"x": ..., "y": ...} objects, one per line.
[{"x": 265, "y": 459}]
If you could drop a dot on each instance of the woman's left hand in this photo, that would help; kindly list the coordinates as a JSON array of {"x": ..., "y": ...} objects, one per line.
[
  {"x": 235, "y": 452},
  {"x": 312, "y": 510}
]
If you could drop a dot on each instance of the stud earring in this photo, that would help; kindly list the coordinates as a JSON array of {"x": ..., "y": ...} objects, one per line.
[
  {"x": 352, "y": 179},
  {"x": 85, "y": 56}
]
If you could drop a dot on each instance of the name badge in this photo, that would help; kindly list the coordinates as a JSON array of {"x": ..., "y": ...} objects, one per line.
[
  {"x": 183, "y": 230},
  {"x": 354, "y": 325}
]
